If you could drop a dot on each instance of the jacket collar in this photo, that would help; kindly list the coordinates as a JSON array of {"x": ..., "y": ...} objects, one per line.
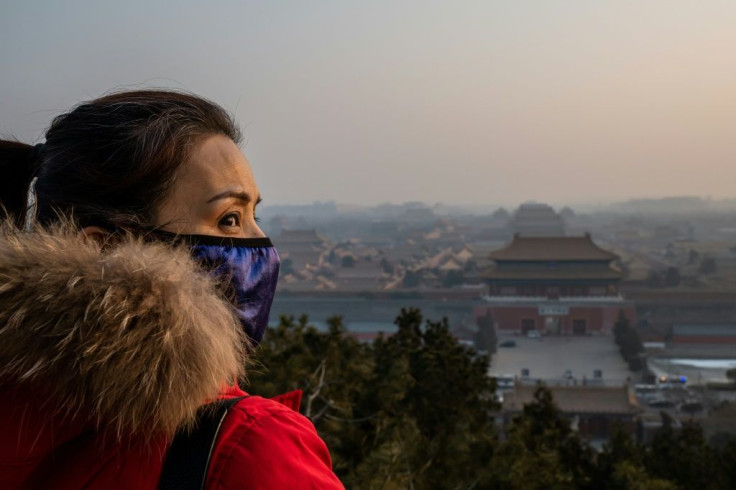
[{"x": 133, "y": 337}]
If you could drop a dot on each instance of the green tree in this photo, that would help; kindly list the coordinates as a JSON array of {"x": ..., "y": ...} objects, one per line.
[
  {"x": 416, "y": 410},
  {"x": 683, "y": 456},
  {"x": 470, "y": 266},
  {"x": 453, "y": 278},
  {"x": 287, "y": 266},
  {"x": 325, "y": 365},
  {"x": 726, "y": 457},
  {"x": 412, "y": 279},
  {"x": 408, "y": 410},
  {"x": 386, "y": 266},
  {"x": 629, "y": 342},
  {"x": 620, "y": 327},
  {"x": 541, "y": 450},
  {"x": 629, "y": 476},
  {"x": 485, "y": 339},
  {"x": 347, "y": 261},
  {"x": 448, "y": 401},
  {"x": 620, "y": 466}
]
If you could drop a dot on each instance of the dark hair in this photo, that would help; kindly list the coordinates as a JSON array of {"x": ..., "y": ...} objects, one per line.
[{"x": 111, "y": 161}]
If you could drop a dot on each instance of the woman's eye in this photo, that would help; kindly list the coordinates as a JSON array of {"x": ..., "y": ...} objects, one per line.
[{"x": 231, "y": 220}]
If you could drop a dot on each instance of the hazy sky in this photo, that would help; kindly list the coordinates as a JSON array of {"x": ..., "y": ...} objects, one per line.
[{"x": 390, "y": 101}]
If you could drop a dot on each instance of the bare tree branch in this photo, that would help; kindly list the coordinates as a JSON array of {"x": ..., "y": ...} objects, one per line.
[{"x": 310, "y": 398}]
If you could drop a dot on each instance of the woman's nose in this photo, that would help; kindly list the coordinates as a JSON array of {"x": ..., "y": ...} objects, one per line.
[{"x": 254, "y": 231}]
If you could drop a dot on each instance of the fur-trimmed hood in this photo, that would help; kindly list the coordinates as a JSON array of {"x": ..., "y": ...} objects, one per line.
[{"x": 133, "y": 337}]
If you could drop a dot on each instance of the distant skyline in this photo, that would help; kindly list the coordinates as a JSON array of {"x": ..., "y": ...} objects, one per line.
[
  {"x": 463, "y": 103},
  {"x": 665, "y": 205}
]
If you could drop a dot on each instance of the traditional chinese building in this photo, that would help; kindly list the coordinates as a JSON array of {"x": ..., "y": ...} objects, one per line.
[
  {"x": 593, "y": 410},
  {"x": 300, "y": 247},
  {"x": 555, "y": 285},
  {"x": 536, "y": 219}
]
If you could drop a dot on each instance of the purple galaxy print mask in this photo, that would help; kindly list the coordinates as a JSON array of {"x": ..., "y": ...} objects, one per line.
[{"x": 250, "y": 269}]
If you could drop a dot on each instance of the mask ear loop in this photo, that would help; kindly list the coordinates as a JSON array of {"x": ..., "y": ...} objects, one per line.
[{"x": 30, "y": 216}]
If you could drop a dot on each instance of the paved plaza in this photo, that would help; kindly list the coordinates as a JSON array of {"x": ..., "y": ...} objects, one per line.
[{"x": 548, "y": 358}]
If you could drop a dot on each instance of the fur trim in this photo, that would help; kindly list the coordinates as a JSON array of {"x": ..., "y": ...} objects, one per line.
[{"x": 134, "y": 337}]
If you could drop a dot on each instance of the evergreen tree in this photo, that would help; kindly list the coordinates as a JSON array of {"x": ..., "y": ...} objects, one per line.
[
  {"x": 629, "y": 342},
  {"x": 726, "y": 458},
  {"x": 409, "y": 410},
  {"x": 485, "y": 338},
  {"x": 542, "y": 451},
  {"x": 386, "y": 266},
  {"x": 416, "y": 410},
  {"x": 620, "y": 466},
  {"x": 412, "y": 279},
  {"x": 683, "y": 456},
  {"x": 453, "y": 278},
  {"x": 448, "y": 400}
]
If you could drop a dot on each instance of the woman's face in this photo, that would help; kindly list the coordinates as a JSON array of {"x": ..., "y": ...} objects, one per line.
[{"x": 214, "y": 194}]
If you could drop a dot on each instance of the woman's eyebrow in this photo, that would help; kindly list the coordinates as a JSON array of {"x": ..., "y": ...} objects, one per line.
[{"x": 242, "y": 196}]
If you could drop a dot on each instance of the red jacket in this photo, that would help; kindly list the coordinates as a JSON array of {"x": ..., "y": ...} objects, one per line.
[
  {"x": 104, "y": 355},
  {"x": 263, "y": 444}
]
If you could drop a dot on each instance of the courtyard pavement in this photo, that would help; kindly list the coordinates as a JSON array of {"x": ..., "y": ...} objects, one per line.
[{"x": 548, "y": 358}]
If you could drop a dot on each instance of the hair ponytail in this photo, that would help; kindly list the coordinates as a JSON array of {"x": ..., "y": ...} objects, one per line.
[{"x": 18, "y": 163}]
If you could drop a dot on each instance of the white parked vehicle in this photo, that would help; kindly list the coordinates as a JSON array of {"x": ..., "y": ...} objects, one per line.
[{"x": 505, "y": 382}]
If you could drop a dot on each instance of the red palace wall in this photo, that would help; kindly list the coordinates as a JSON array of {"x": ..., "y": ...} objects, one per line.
[{"x": 597, "y": 318}]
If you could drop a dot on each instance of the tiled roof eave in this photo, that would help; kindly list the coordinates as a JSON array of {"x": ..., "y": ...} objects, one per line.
[{"x": 629, "y": 411}]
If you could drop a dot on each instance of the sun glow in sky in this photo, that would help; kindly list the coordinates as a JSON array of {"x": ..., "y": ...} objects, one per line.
[{"x": 390, "y": 101}]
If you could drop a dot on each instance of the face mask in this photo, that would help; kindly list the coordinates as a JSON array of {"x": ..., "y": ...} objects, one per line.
[{"x": 250, "y": 269}]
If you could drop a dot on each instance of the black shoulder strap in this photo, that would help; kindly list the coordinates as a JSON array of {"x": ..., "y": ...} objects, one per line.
[{"x": 189, "y": 455}]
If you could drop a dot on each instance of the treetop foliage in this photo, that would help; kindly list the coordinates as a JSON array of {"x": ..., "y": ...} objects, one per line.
[
  {"x": 629, "y": 342},
  {"x": 417, "y": 410}
]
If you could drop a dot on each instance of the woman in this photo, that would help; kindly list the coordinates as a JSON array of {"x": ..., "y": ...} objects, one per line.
[{"x": 133, "y": 279}]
